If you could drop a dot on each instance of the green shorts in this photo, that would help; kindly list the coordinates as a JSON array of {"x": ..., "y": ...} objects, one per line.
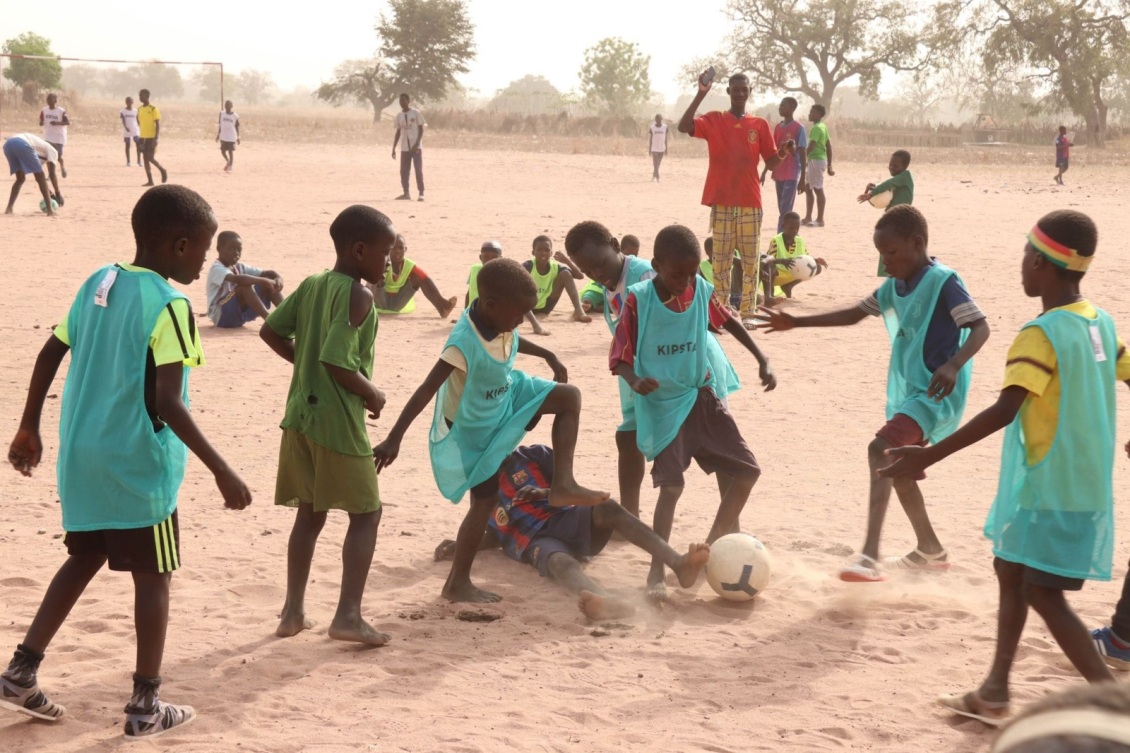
[{"x": 328, "y": 480}]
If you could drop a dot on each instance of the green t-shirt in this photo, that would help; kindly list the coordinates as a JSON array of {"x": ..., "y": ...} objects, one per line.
[
  {"x": 818, "y": 141},
  {"x": 902, "y": 186},
  {"x": 316, "y": 317}
]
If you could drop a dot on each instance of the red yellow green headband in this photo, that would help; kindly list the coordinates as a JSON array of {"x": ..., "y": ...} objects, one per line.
[{"x": 1057, "y": 253}]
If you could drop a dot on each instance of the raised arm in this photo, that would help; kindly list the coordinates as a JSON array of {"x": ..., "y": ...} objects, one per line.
[
  {"x": 27, "y": 448},
  {"x": 386, "y": 452},
  {"x": 686, "y": 123},
  {"x": 527, "y": 348},
  {"x": 566, "y": 262}
]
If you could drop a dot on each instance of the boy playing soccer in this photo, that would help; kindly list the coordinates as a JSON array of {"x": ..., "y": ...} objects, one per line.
[
  {"x": 53, "y": 120},
  {"x": 546, "y": 268},
  {"x": 26, "y": 154},
  {"x": 662, "y": 351},
  {"x": 403, "y": 277},
  {"x": 779, "y": 270},
  {"x": 327, "y": 328},
  {"x": 1062, "y": 154},
  {"x": 1051, "y": 523},
  {"x": 149, "y": 126},
  {"x": 122, "y": 451},
  {"x": 483, "y": 409},
  {"x": 926, "y": 309},
  {"x": 228, "y": 135},
  {"x": 239, "y": 293},
  {"x": 128, "y": 117},
  {"x": 555, "y": 539},
  {"x": 490, "y": 251}
]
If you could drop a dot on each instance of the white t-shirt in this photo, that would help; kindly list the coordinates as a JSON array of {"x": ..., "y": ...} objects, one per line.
[
  {"x": 409, "y": 122},
  {"x": 658, "y": 137},
  {"x": 43, "y": 150},
  {"x": 54, "y": 132},
  {"x": 227, "y": 126},
  {"x": 129, "y": 122},
  {"x": 218, "y": 291},
  {"x": 615, "y": 298}
]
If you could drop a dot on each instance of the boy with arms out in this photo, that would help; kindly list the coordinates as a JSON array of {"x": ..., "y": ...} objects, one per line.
[
  {"x": 228, "y": 135},
  {"x": 397, "y": 293},
  {"x": 239, "y": 293},
  {"x": 490, "y": 251},
  {"x": 546, "y": 268},
  {"x": 54, "y": 121},
  {"x": 149, "y": 126},
  {"x": 122, "y": 452},
  {"x": 819, "y": 163},
  {"x": 1051, "y": 523},
  {"x": 662, "y": 351},
  {"x": 128, "y": 117},
  {"x": 554, "y": 539},
  {"x": 483, "y": 409},
  {"x": 327, "y": 329},
  {"x": 927, "y": 311},
  {"x": 26, "y": 153}
]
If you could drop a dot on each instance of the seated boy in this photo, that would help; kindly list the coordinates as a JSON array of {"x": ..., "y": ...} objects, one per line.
[
  {"x": 555, "y": 539},
  {"x": 490, "y": 251},
  {"x": 662, "y": 350},
  {"x": 402, "y": 279},
  {"x": 592, "y": 298},
  {"x": 630, "y": 245},
  {"x": 788, "y": 264},
  {"x": 239, "y": 293},
  {"x": 483, "y": 409},
  {"x": 545, "y": 268}
]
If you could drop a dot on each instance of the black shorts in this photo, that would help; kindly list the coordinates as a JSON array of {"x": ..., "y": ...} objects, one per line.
[
  {"x": 711, "y": 438},
  {"x": 569, "y": 532},
  {"x": 148, "y": 146},
  {"x": 1051, "y": 580},
  {"x": 227, "y": 146},
  {"x": 153, "y": 549}
]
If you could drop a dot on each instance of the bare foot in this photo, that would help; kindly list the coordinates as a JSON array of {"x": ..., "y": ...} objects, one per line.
[
  {"x": 469, "y": 593},
  {"x": 598, "y": 607},
  {"x": 657, "y": 592},
  {"x": 562, "y": 495},
  {"x": 446, "y": 310},
  {"x": 543, "y": 332},
  {"x": 690, "y": 564},
  {"x": 293, "y": 624},
  {"x": 582, "y": 317},
  {"x": 356, "y": 630}
]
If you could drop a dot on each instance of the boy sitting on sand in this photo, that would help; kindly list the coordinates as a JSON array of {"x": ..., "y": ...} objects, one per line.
[
  {"x": 779, "y": 268},
  {"x": 483, "y": 409},
  {"x": 546, "y": 269},
  {"x": 239, "y": 293},
  {"x": 555, "y": 539},
  {"x": 122, "y": 450},
  {"x": 401, "y": 281},
  {"x": 490, "y": 251}
]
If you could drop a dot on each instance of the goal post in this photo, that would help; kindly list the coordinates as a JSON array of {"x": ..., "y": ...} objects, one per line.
[{"x": 61, "y": 59}]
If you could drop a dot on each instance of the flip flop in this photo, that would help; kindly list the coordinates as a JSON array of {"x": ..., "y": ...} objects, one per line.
[
  {"x": 931, "y": 563},
  {"x": 861, "y": 569},
  {"x": 992, "y": 713}
]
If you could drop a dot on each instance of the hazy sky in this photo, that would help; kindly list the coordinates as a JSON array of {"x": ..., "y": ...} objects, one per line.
[{"x": 301, "y": 48}]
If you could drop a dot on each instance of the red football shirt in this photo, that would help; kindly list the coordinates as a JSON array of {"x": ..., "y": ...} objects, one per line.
[{"x": 735, "y": 145}]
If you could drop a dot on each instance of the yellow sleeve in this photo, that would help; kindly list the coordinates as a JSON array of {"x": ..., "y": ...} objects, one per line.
[
  {"x": 175, "y": 338},
  {"x": 1122, "y": 369},
  {"x": 156, "y": 113},
  {"x": 452, "y": 355},
  {"x": 63, "y": 337},
  {"x": 1031, "y": 361}
]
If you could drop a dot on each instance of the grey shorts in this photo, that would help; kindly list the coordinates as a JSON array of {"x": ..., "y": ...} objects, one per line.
[
  {"x": 711, "y": 438},
  {"x": 815, "y": 174}
]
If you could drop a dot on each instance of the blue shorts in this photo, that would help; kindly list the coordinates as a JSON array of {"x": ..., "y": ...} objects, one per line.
[
  {"x": 569, "y": 532},
  {"x": 234, "y": 314},
  {"x": 58, "y": 148},
  {"x": 21, "y": 157}
]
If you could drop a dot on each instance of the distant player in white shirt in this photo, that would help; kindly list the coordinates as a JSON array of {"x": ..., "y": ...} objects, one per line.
[
  {"x": 129, "y": 129},
  {"x": 228, "y": 135},
  {"x": 53, "y": 120},
  {"x": 26, "y": 154},
  {"x": 656, "y": 144},
  {"x": 409, "y": 135}
]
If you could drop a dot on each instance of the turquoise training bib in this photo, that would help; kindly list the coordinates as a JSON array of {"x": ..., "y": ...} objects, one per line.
[
  {"x": 637, "y": 268},
  {"x": 118, "y": 468},
  {"x": 1058, "y": 515},
  {"x": 672, "y": 349},
  {"x": 907, "y": 319},
  {"x": 496, "y": 406}
]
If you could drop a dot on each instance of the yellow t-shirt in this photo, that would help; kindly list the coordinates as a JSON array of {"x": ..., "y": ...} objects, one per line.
[
  {"x": 147, "y": 117},
  {"x": 164, "y": 340},
  {"x": 1032, "y": 365}
]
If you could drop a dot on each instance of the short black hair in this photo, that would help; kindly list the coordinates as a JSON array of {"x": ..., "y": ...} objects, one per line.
[
  {"x": 169, "y": 212},
  {"x": 358, "y": 223},
  {"x": 1072, "y": 229},
  {"x": 405, "y": 95},
  {"x": 676, "y": 242},
  {"x": 904, "y": 221},
  {"x": 630, "y": 240},
  {"x": 584, "y": 233},
  {"x": 790, "y": 216},
  {"x": 504, "y": 278},
  {"x": 144, "y": 91},
  {"x": 820, "y": 109},
  {"x": 791, "y": 100},
  {"x": 738, "y": 77},
  {"x": 708, "y": 243},
  {"x": 225, "y": 236},
  {"x": 903, "y": 155},
  {"x": 491, "y": 246},
  {"x": 541, "y": 239}
]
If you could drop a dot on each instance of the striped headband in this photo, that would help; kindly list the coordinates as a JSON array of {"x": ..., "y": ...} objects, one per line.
[
  {"x": 1057, "y": 253},
  {"x": 1100, "y": 724}
]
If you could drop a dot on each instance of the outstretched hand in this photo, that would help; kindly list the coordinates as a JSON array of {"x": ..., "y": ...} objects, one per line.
[
  {"x": 773, "y": 320},
  {"x": 27, "y": 450},
  {"x": 908, "y": 461}
]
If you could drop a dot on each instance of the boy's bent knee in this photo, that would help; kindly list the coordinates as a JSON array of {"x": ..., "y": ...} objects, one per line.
[{"x": 569, "y": 395}]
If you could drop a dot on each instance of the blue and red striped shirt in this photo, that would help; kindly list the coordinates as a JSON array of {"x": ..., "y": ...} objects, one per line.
[{"x": 515, "y": 523}]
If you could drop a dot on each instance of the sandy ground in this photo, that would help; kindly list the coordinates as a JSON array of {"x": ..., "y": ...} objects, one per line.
[{"x": 813, "y": 664}]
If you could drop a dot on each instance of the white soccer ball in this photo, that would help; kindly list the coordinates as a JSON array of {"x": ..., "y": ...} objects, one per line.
[
  {"x": 739, "y": 567},
  {"x": 802, "y": 268},
  {"x": 881, "y": 200}
]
